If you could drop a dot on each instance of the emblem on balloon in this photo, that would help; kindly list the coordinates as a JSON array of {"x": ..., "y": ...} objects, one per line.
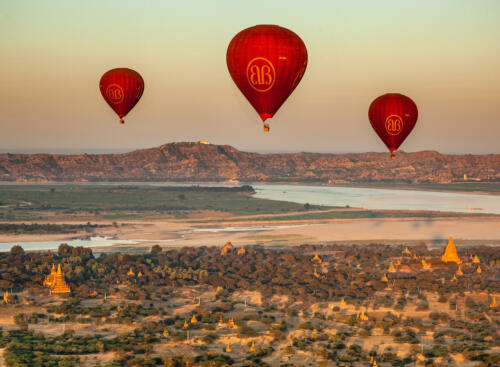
[
  {"x": 261, "y": 74},
  {"x": 114, "y": 93},
  {"x": 393, "y": 124}
]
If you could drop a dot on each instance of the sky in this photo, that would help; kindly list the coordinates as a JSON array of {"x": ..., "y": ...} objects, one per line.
[{"x": 444, "y": 54}]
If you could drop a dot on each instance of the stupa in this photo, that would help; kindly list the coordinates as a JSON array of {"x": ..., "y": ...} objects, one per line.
[
  {"x": 479, "y": 270},
  {"x": 384, "y": 278},
  {"x": 459, "y": 271},
  {"x": 391, "y": 269},
  {"x": 407, "y": 251},
  {"x": 450, "y": 253},
  {"x": 228, "y": 248},
  {"x": 59, "y": 286},
  {"x": 476, "y": 260},
  {"x": 185, "y": 326},
  {"x": 252, "y": 347},
  {"x": 342, "y": 303},
  {"x": 193, "y": 319},
  {"x": 228, "y": 349},
  {"x": 493, "y": 303},
  {"x": 139, "y": 274},
  {"x": 317, "y": 258},
  {"x": 6, "y": 297},
  {"x": 130, "y": 273},
  {"x": 241, "y": 251},
  {"x": 50, "y": 279}
]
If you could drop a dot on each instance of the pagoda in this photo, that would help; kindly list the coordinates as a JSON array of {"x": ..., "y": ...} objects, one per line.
[
  {"x": 59, "y": 286},
  {"x": 342, "y": 303},
  {"x": 130, "y": 273},
  {"x": 459, "y": 271},
  {"x": 185, "y": 326},
  {"x": 384, "y": 278},
  {"x": 479, "y": 270},
  {"x": 493, "y": 303},
  {"x": 228, "y": 349},
  {"x": 241, "y": 251},
  {"x": 50, "y": 279},
  {"x": 407, "y": 251},
  {"x": 476, "y": 260},
  {"x": 139, "y": 274},
  {"x": 193, "y": 319},
  {"x": 227, "y": 249},
  {"x": 391, "y": 269},
  {"x": 6, "y": 297},
  {"x": 317, "y": 258},
  {"x": 252, "y": 347},
  {"x": 450, "y": 254},
  {"x": 425, "y": 264}
]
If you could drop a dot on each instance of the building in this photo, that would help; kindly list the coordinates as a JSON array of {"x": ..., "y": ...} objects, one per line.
[
  {"x": 56, "y": 282},
  {"x": 450, "y": 253}
]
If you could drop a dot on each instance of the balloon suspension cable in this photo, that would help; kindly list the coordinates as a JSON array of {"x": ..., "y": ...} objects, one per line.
[
  {"x": 266, "y": 128},
  {"x": 122, "y": 121}
]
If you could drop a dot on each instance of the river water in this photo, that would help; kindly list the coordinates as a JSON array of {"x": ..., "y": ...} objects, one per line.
[{"x": 324, "y": 195}]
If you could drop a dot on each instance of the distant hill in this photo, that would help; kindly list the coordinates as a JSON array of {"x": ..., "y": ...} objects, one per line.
[{"x": 196, "y": 162}]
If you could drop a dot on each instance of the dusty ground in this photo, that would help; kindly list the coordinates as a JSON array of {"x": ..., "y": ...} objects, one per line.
[{"x": 178, "y": 233}]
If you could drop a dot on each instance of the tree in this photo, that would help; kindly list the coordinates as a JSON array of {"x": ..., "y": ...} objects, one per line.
[{"x": 17, "y": 250}]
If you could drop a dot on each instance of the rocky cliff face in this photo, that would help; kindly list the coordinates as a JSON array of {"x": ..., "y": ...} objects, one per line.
[{"x": 180, "y": 162}]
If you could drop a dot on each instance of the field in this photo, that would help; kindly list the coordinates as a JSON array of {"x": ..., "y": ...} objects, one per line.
[{"x": 94, "y": 202}]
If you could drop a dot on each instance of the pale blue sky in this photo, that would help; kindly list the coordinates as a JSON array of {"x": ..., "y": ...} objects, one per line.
[{"x": 444, "y": 54}]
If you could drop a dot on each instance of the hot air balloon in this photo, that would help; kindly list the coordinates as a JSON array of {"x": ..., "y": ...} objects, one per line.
[
  {"x": 121, "y": 88},
  {"x": 266, "y": 62},
  {"x": 393, "y": 116}
]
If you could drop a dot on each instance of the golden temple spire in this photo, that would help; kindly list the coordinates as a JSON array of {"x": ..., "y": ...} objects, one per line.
[
  {"x": 228, "y": 349},
  {"x": 317, "y": 258},
  {"x": 476, "y": 260},
  {"x": 193, "y": 319},
  {"x": 450, "y": 253},
  {"x": 384, "y": 278},
  {"x": 139, "y": 274},
  {"x": 493, "y": 303},
  {"x": 6, "y": 297},
  {"x": 459, "y": 271},
  {"x": 130, "y": 273},
  {"x": 227, "y": 249},
  {"x": 391, "y": 269},
  {"x": 252, "y": 347},
  {"x": 479, "y": 270},
  {"x": 342, "y": 303},
  {"x": 185, "y": 326},
  {"x": 59, "y": 286}
]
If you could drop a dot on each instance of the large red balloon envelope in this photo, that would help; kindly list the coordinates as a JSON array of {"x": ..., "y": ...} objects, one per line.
[
  {"x": 121, "y": 88},
  {"x": 266, "y": 62},
  {"x": 393, "y": 116}
]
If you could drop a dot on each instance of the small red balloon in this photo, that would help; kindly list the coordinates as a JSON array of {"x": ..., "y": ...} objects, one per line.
[
  {"x": 393, "y": 116},
  {"x": 266, "y": 62},
  {"x": 121, "y": 88}
]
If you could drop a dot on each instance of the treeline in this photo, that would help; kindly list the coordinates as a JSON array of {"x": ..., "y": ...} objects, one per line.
[
  {"x": 37, "y": 228},
  {"x": 349, "y": 271}
]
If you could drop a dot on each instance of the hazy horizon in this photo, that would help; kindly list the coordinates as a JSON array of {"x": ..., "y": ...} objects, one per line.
[{"x": 444, "y": 55}]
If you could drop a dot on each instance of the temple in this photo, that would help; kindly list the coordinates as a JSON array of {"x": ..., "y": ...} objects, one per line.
[
  {"x": 391, "y": 269},
  {"x": 450, "y": 253},
  {"x": 193, "y": 319},
  {"x": 493, "y": 303},
  {"x": 51, "y": 278},
  {"x": 59, "y": 285},
  {"x": 384, "y": 278},
  {"x": 317, "y": 258},
  {"x": 476, "y": 260},
  {"x": 227, "y": 249},
  {"x": 459, "y": 271}
]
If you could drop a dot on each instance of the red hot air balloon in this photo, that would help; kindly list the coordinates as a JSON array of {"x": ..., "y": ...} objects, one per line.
[
  {"x": 393, "y": 116},
  {"x": 266, "y": 62},
  {"x": 121, "y": 88}
]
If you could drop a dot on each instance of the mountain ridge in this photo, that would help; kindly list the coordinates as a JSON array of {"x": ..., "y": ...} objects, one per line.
[{"x": 198, "y": 162}]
